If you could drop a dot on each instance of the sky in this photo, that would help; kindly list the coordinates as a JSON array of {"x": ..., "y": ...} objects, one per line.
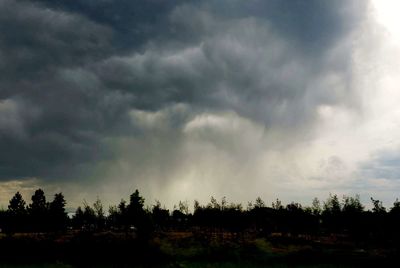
[{"x": 185, "y": 100}]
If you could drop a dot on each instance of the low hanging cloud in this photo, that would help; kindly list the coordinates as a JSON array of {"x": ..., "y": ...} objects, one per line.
[{"x": 182, "y": 99}]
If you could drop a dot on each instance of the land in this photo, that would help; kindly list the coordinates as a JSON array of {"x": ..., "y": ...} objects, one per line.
[{"x": 196, "y": 248}]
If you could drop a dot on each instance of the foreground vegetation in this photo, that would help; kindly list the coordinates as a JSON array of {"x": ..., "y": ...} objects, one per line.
[
  {"x": 218, "y": 234},
  {"x": 188, "y": 249}
]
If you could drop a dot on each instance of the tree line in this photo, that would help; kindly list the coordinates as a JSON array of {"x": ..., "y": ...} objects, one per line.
[
  {"x": 346, "y": 215},
  {"x": 38, "y": 216}
]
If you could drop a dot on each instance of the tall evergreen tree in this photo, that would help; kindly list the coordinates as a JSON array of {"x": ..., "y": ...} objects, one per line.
[
  {"x": 16, "y": 214},
  {"x": 57, "y": 215},
  {"x": 38, "y": 204},
  {"x": 38, "y": 211},
  {"x": 137, "y": 216},
  {"x": 17, "y": 204},
  {"x": 78, "y": 218}
]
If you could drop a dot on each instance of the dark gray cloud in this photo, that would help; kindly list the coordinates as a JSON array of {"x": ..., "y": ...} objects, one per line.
[
  {"x": 56, "y": 117},
  {"x": 37, "y": 41},
  {"x": 72, "y": 72},
  {"x": 133, "y": 22}
]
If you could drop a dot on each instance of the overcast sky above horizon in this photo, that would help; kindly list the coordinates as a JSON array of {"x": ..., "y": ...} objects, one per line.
[{"x": 188, "y": 99}]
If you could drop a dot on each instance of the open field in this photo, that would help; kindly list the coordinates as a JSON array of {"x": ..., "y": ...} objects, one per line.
[{"x": 187, "y": 249}]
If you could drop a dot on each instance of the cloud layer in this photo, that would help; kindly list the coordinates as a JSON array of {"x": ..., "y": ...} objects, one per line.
[{"x": 185, "y": 99}]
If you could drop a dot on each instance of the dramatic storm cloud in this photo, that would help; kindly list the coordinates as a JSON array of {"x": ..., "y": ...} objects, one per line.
[{"x": 187, "y": 99}]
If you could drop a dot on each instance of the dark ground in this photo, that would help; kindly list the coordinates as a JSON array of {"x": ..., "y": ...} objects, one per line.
[{"x": 190, "y": 249}]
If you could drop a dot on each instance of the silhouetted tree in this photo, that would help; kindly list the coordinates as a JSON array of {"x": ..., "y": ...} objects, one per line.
[
  {"x": 233, "y": 218},
  {"x": 261, "y": 217},
  {"x": 135, "y": 206},
  {"x": 277, "y": 205},
  {"x": 16, "y": 214},
  {"x": 99, "y": 214},
  {"x": 279, "y": 216},
  {"x": 378, "y": 208},
  {"x": 396, "y": 206},
  {"x": 57, "y": 216},
  {"x": 353, "y": 215},
  {"x": 180, "y": 215},
  {"x": 89, "y": 217},
  {"x": 160, "y": 216},
  {"x": 259, "y": 203},
  {"x": 38, "y": 202},
  {"x": 38, "y": 211},
  {"x": 123, "y": 218},
  {"x": 137, "y": 216},
  {"x": 184, "y": 207},
  {"x": 394, "y": 219},
  {"x": 17, "y": 204},
  {"x": 316, "y": 207},
  {"x": 347, "y": 216},
  {"x": 84, "y": 219},
  {"x": 378, "y": 219},
  {"x": 352, "y": 204},
  {"x": 313, "y": 217},
  {"x": 78, "y": 220},
  {"x": 178, "y": 219},
  {"x": 331, "y": 214},
  {"x": 295, "y": 219},
  {"x": 214, "y": 203},
  {"x": 332, "y": 205}
]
